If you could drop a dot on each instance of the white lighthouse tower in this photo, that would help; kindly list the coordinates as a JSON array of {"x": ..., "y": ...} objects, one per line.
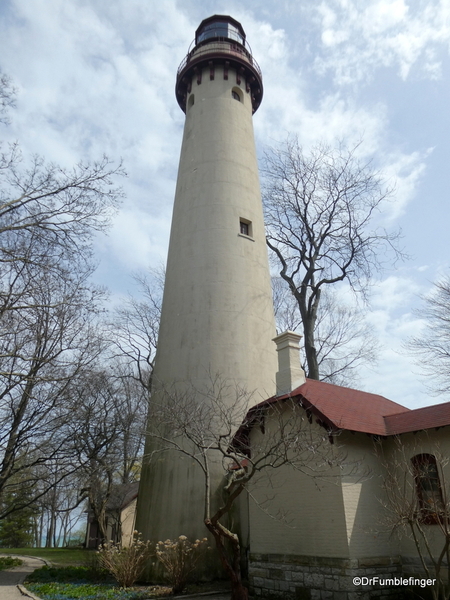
[{"x": 217, "y": 316}]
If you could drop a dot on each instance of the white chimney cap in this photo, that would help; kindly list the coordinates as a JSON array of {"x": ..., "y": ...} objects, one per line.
[{"x": 290, "y": 374}]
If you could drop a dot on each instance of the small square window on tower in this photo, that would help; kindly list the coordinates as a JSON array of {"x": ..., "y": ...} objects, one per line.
[{"x": 245, "y": 227}]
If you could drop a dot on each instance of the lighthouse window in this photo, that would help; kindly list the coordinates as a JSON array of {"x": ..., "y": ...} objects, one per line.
[
  {"x": 220, "y": 29},
  {"x": 245, "y": 227},
  {"x": 236, "y": 96}
]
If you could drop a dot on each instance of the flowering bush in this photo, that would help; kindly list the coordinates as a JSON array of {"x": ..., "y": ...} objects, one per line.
[
  {"x": 125, "y": 564},
  {"x": 180, "y": 558}
]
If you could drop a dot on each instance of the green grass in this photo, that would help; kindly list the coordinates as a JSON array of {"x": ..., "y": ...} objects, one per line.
[
  {"x": 6, "y": 562},
  {"x": 57, "y": 556}
]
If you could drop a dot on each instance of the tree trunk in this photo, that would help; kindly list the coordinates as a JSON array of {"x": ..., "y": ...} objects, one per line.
[
  {"x": 238, "y": 591},
  {"x": 310, "y": 349},
  {"x": 40, "y": 530},
  {"x": 102, "y": 527},
  {"x": 233, "y": 568},
  {"x": 308, "y": 312},
  {"x": 50, "y": 530}
]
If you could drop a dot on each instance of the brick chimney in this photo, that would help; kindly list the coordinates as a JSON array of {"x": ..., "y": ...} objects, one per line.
[{"x": 290, "y": 374}]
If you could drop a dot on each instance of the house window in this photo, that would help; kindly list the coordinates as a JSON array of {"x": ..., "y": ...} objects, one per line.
[{"x": 428, "y": 488}]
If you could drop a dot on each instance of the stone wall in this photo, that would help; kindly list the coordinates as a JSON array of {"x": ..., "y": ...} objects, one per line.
[{"x": 287, "y": 577}]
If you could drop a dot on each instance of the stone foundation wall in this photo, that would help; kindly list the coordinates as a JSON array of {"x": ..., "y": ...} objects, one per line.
[{"x": 274, "y": 577}]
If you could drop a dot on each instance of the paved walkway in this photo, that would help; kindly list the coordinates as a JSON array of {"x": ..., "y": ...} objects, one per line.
[{"x": 11, "y": 578}]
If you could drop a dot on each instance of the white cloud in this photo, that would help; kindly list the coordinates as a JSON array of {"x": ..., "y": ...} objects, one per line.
[
  {"x": 396, "y": 375},
  {"x": 393, "y": 292},
  {"x": 137, "y": 238},
  {"x": 403, "y": 172},
  {"x": 385, "y": 14},
  {"x": 360, "y": 37}
]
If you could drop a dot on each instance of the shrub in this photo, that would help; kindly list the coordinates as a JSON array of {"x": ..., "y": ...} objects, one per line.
[
  {"x": 6, "y": 562},
  {"x": 91, "y": 560},
  {"x": 124, "y": 564},
  {"x": 180, "y": 558}
]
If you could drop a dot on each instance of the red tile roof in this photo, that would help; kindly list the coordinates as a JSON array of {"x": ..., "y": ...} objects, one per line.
[
  {"x": 428, "y": 417},
  {"x": 345, "y": 408}
]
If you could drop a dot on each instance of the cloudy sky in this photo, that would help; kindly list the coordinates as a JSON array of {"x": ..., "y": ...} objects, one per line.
[{"x": 95, "y": 76}]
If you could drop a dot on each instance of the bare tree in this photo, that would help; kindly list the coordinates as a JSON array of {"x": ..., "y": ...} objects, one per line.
[
  {"x": 417, "y": 503},
  {"x": 344, "y": 339},
  {"x": 50, "y": 336},
  {"x": 208, "y": 427},
  {"x": 287, "y": 312},
  {"x": 58, "y": 511},
  {"x": 48, "y": 216},
  {"x": 433, "y": 347},
  {"x": 320, "y": 210},
  {"x": 46, "y": 351},
  {"x": 107, "y": 429},
  {"x": 135, "y": 327},
  {"x": 7, "y": 97}
]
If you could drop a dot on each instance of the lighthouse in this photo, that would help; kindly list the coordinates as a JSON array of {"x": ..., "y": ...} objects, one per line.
[{"x": 217, "y": 315}]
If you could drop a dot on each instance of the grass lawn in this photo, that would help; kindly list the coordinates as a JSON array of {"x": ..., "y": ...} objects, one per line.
[{"x": 57, "y": 556}]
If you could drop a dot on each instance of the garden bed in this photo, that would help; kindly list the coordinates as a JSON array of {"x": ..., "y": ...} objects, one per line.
[{"x": 82, "y": 583}]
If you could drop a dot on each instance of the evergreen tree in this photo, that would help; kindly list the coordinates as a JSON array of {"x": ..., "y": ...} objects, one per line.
[{"x": 16, "y": 528}]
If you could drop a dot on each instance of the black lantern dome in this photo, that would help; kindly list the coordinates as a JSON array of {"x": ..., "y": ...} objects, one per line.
[{"x": 220, "y": 39}]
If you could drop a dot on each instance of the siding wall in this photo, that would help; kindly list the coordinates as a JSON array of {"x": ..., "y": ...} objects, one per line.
[
  {"x": 295, "y": 513},
  {"x": 397, "y": 460},
  {"x": 310, "y": 536}
]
